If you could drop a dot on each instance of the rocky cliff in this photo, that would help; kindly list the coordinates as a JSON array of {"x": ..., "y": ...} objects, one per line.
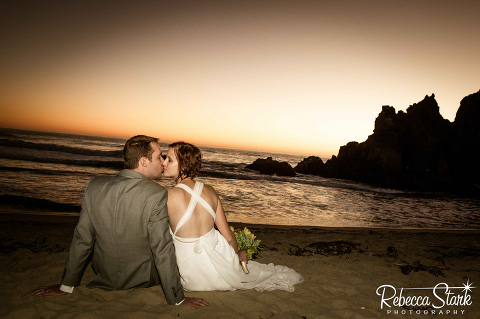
[{"x": 416, "y": 149}]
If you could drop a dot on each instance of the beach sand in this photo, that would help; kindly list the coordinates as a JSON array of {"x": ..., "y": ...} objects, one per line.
[{"x": 342, "y": 267}]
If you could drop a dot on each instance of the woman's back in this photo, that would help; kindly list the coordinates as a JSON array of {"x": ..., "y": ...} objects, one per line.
[
  {"x": 201, "y": 220},
  {"x": 206, "y": 259}
]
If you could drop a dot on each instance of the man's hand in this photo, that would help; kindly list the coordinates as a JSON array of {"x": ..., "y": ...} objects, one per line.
[
  {"x": 194, "y": 302},
  {"x": 52, "y": 290}
]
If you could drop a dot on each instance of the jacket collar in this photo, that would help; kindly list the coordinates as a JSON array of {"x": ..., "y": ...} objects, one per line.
[{"x": 128, "y": 173}]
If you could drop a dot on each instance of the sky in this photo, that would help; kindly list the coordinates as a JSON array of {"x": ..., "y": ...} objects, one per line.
[{"x": 301, "y": 77}]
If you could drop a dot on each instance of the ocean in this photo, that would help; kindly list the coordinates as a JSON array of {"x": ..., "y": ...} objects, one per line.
[{"x": 45, "y": 173}]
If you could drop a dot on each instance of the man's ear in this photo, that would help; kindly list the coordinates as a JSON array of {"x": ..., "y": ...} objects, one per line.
[{"x": 143, "y": 162}]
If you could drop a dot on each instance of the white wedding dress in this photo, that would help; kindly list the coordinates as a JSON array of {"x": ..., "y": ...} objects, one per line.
[{"x": 210, "y": 263}]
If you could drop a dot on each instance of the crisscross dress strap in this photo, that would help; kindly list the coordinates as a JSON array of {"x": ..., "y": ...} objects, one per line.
[{"x": 196, "y": 192}]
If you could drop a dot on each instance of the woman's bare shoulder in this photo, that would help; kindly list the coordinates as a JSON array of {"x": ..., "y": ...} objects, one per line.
[
  {"x": 209, "y": 190},
  {"x": 174, "y": 192}
]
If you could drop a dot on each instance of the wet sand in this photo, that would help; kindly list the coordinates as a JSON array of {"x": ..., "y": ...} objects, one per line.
[{"x": 343, "y": 270}]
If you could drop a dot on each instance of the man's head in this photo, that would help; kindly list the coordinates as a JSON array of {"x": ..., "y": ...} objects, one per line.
[{"x": 143, "y": 154}]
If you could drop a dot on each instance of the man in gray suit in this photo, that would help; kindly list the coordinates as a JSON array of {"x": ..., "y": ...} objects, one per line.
[{"x": 124, "y": 221}]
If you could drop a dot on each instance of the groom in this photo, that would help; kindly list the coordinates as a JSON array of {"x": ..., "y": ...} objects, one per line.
[{"x": 124, "y": 222}]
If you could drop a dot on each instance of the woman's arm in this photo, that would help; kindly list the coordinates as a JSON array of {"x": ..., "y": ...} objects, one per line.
[{"x": 224, "y": 229}]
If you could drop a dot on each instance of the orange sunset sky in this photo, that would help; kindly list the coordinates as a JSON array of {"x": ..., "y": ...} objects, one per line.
[{"x": 287, "y": 76}]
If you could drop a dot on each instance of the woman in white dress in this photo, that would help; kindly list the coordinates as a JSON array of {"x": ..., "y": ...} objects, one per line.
[{"x": 208, "y": 259}]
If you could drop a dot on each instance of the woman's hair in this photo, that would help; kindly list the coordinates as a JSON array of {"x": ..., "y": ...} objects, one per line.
[
  {"x": 189, "y": 159},
  {"x": 136, "y": 148}
]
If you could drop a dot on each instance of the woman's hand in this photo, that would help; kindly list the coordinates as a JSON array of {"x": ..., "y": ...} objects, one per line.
[{"x": 242, "y": 255}]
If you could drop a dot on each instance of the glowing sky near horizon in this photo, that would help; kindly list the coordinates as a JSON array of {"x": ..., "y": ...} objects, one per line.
[{"x": 288, "y": 76}]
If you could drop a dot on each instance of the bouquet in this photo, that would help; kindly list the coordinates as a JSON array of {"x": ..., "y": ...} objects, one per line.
[{"x": 246, "y": 241}]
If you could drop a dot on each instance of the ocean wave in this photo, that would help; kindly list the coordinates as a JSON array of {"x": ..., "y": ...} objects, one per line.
[
  {"x": 93, "y": 163},
  {"x": 299, "y": 179},
  {"x": 59, "y": 148},
  {"x": 37, "y": 204},
  {"x": 5, "y": 134},
  {"x": 337, "y": 183},
  {"x": 225, "y": 175},
  {"x": 53, "y": 172}
]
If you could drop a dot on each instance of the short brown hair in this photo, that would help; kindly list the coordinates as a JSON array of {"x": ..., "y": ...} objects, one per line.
[
  {"x": 189, "y": 159},
  {"x": 136, "y": 148}
]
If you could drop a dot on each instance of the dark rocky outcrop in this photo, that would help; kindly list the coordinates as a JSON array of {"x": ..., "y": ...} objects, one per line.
[
  {"x": 269, "y": 166},
  {"x": 464, "y": 153},
  {"x": 418, "y": 149},
  {"x": 312, "y": 165}
]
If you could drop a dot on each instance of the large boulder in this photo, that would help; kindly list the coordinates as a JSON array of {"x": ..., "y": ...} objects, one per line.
[
  {"x": 269, "y": 166},
  {"x": 312, "y": 165}
]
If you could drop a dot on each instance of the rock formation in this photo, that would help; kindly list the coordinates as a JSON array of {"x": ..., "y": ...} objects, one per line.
[
  {"x": 311, "y": 165},
  {"x": 418, "y": 149},
  {"x": 464, "y": 151},
  {"x": 271, "y": 167}
]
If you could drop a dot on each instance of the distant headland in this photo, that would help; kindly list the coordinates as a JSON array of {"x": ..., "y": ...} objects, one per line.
[{"x": 417, "y": 149}]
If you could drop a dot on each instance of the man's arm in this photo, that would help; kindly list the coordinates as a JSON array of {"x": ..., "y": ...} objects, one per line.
[
  {"x": 165, "y": 261},
  {"x": 80, "y": 248},
  {"x": 163, "y": 251}
]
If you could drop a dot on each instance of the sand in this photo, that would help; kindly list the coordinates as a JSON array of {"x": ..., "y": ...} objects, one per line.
[{"x": 343, "y": 269}]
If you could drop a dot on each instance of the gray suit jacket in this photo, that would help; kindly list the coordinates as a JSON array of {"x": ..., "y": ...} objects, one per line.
[{"x": 124, "y": 222}]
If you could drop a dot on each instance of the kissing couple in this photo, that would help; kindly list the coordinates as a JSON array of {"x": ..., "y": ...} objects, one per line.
[{"x": 139, "y": 235}]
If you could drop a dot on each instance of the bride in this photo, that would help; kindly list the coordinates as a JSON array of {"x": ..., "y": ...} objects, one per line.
[{"x": 208, "y": 259}]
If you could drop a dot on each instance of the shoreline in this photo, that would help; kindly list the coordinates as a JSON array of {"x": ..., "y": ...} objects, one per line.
[{"x": 61, "y": 219}]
